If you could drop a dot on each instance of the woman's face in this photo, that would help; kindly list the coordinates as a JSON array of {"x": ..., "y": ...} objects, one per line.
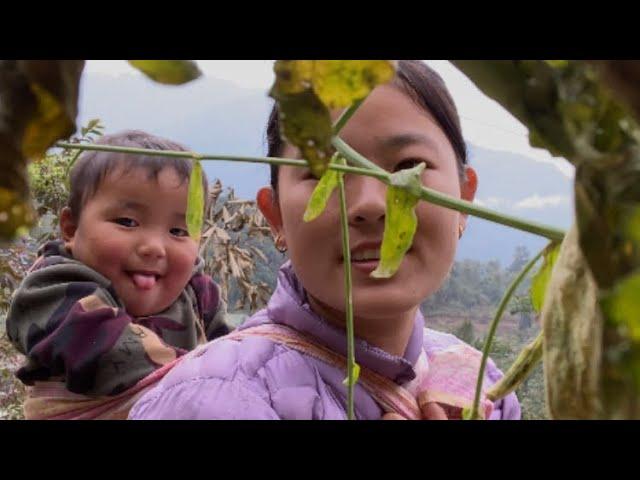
[{"x": 393, "y": 132}]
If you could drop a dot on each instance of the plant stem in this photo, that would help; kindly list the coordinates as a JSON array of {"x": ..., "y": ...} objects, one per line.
[
  {"x": 346, "y": 115},
  {"x": 70, "y": 166},
  {"x": 438, "y": 198},
  {"x": 234, "y": 158},
  {"x": 519, "y": 371},
  {"x": 363, "y": 167},
  {"x": 494, "y": 325},
  {"x": 190, "y": 155},
  {"x": 346, "y": 252}
]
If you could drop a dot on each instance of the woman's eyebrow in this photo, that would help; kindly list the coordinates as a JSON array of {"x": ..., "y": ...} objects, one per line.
[{"x": 405, "y": 139}]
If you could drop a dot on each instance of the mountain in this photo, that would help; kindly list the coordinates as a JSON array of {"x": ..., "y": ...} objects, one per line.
[
  {"x": 520, "y": 186},
  {"x": 215, "y": 116}
]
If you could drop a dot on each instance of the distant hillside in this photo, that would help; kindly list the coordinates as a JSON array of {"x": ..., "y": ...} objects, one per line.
[
  {"x": 216, "y": 116},
  {"x": 519, "y": 186}
]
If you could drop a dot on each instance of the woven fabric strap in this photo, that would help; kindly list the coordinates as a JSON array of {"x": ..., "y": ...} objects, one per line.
[{"x": 51, "y": 400}]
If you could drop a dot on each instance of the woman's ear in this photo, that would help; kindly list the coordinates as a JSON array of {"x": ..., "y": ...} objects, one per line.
[
  {"x": 68, "y": 227},
  {"x": 268, "y": 205},
  {"x": 468, "y": 189}
]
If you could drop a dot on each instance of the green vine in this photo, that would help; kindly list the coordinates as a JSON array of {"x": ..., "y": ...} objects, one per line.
[{"x": 473, "y": 414}]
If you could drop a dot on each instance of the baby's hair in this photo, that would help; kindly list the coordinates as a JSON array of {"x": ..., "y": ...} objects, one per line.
[
  {"x": 424, "y": 86},
  {"x": 93, "y": 166}
]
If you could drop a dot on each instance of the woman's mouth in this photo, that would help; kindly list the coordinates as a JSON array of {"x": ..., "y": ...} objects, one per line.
[{"x": 365, "y": 260}]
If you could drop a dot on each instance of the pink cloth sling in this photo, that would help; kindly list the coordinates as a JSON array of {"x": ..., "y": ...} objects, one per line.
[{"x": 448, "y": 377}]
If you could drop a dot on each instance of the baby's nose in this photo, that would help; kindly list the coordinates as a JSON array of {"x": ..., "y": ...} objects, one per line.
[{"x": 151, "y": 247}]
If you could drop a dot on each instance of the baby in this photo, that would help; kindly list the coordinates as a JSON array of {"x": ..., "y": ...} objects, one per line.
[{"x": 123, "y": 293}]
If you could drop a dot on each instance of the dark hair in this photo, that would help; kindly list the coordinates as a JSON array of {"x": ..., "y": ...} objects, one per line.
[
  {"x": 93, "y": 166},
  {"x": 424, "y": 86}
]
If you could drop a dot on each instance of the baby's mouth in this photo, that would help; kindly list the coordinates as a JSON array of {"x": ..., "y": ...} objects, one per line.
[{"x": 143, "y": 280}]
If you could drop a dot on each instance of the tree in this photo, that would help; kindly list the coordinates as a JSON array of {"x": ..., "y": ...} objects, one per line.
[
  {"x": 521, "y": 305},
  {"x": 521, "y": 256}
]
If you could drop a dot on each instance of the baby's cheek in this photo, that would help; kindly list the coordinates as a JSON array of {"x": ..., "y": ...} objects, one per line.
[{"x": 182, "y": 263}]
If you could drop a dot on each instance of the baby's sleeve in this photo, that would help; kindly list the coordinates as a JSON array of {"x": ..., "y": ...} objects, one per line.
[
  {"x": 66, "y": 321},
  {"x": 211, "y": 306}
]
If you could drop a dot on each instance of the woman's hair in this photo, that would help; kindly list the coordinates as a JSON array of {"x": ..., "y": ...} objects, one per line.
[{"x": 424, "y": 86}]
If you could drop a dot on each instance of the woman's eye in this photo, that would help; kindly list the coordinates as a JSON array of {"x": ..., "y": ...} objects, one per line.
[
  {"x": 409, "y": 163},
  {"x": 179, "y": 232},
  {"x": 126, "y": 222}
]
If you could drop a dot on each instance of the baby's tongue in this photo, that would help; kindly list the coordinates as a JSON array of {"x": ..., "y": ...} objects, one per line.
[{"x": 143, "y": 281}]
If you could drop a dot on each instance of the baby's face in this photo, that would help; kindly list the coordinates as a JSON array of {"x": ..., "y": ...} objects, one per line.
[{"x": 133, "y": 231}]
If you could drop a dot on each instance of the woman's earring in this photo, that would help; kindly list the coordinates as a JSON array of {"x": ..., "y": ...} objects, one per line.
[
  {"x": 281, "y": 246},
  {"x": 460, "y": 230}
]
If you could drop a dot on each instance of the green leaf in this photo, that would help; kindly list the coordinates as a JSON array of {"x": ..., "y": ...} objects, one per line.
[
  {"x": 195, "y": 202},
  {"x": 622, "y": 305},
  {"x": 321, "y": 194},
  {"x": 339, "y": 83},
  {"x": 541, "y": 278},
  {"x": 356, "y": 375},
  {"x": 400, "y": 220},
  {"x": 632, "y": 227},
  {"x": 170, "y": 72}
]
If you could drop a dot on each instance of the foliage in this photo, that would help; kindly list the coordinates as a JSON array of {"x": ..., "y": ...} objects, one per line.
[
  {"x": 592, "y": 354},
  {"x": 38, "y": 105},
  {"x": 305, "y": 91},
  {"x": 230, "y": 223},
  {"x": 170, "y": 72},
  {"x": 586, "y": 296}
]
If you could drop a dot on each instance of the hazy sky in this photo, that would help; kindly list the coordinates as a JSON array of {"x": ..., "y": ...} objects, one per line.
[{"x": 484, "y": 122}]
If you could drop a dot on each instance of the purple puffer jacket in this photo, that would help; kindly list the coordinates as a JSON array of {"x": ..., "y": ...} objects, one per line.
[{"x": 255, "y": 378}]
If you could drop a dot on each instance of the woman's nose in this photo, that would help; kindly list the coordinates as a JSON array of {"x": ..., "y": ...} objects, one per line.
[{"x": 366, "y": 199}]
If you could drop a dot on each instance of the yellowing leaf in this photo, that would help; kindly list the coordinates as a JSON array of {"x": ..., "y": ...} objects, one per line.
[
  {"x": 38, "y": 105},
  {"x": 293, "y": 76},
  {"x": 15, "y": 213},
  {"x": 622, "y": 305},
  {"x": 356, "y": 375},
  {"x": 50, "y": 123},
  {"x": 321, "y": 194},
  {"x": 400, "y": 220},
  {"x": 170, "y": 72},
  {"x": 558, "y": 63},
  {"x": 195, "y": 202},
  {"x": 306, "y": 123},
  {"x": 541, "y": 278},
  {"x": 339, "y": 83}
]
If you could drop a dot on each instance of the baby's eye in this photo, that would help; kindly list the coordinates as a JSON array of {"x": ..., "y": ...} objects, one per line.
[
  {"x": 409, "y": 163},
  {"x": 179, "y": 232},
  {"x": 126, "y": 222}
]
